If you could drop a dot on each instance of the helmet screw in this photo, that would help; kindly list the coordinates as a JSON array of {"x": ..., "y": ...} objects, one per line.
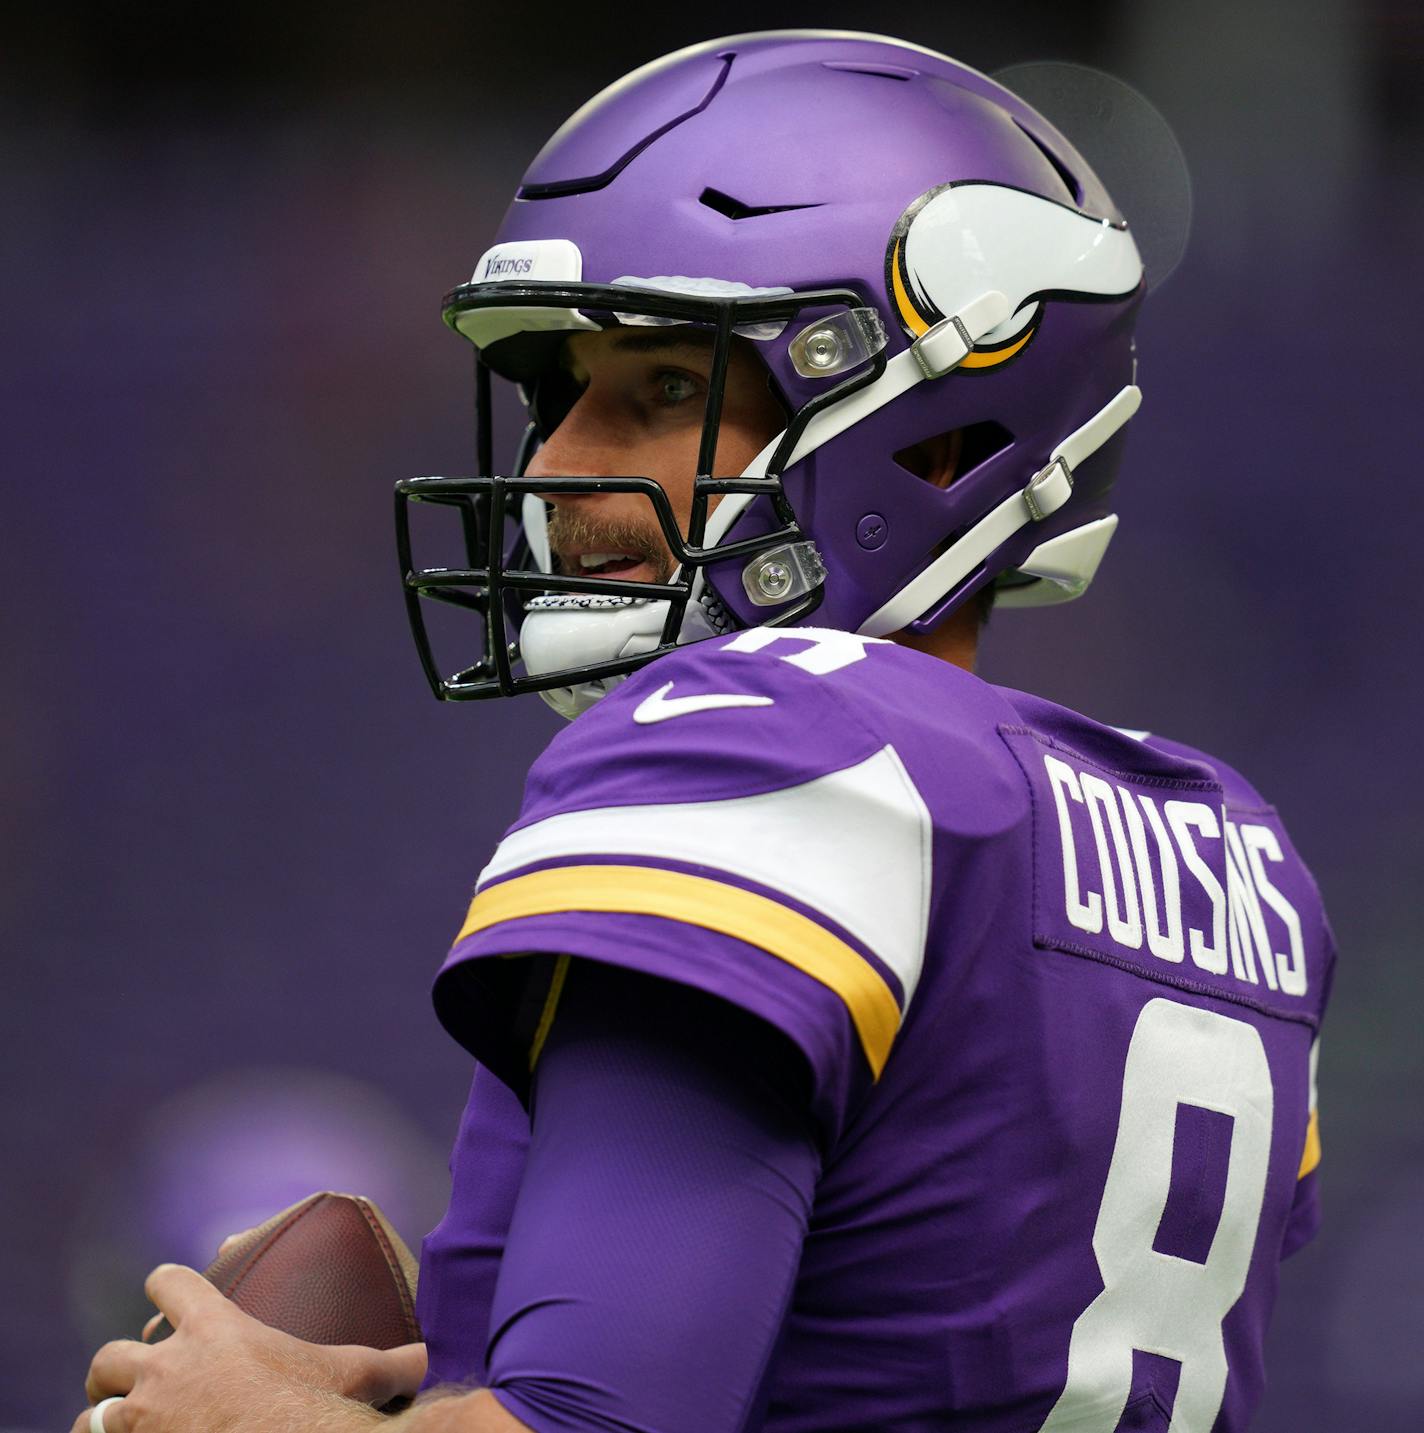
[
  {"x": 773, "y": 578},
  {"x": 871, "y": 531},
  {"x": 824, "y": 348}
]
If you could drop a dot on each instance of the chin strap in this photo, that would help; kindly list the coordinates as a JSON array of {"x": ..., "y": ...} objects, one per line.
[
  {"x": 1046, "y": 492},
  {"x": 572, "y": 629}
]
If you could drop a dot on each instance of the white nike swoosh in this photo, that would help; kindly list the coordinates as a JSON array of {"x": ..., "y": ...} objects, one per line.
[{"x": 660, "y": 707}]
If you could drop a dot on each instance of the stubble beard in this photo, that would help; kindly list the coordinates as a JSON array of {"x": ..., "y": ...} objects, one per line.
[{"x": 573, "y": 532}]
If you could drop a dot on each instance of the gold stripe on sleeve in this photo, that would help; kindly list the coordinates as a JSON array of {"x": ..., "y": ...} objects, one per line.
[
  {"x": 713, "y": 905},
  {"x": 551, "y": 1005},
  {"x": 1311, "y": 1157}
]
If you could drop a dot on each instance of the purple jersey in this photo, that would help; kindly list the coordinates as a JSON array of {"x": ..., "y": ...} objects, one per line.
[{"x": 1057, "y": 987}]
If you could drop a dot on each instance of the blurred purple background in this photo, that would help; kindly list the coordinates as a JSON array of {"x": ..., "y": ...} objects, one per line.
[{"x": 238, "y": 833}]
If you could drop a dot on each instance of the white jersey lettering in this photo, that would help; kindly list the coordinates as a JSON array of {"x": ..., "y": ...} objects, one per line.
[{"x": 1131, "y": 887}]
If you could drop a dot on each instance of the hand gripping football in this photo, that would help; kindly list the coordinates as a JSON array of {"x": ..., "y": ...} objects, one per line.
[{"x": 328, "y": 1270}]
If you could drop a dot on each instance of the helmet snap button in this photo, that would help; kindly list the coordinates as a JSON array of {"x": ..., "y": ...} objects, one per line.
[
  {"x": 824, "y": 349},
  {"x": 871, "y": 531},
  {"x": 773, "y": 578}
]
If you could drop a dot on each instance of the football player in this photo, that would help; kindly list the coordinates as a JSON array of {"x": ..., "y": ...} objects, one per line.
[{"x": 859, "y": 1045}]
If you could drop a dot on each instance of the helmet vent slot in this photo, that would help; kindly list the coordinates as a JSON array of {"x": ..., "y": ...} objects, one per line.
[
  {"x": 978, "y": 442},
  {"x": 736, "y": 209},
  {"x": 1059, "y": 168},
  {"x": 865, "y": 67}
]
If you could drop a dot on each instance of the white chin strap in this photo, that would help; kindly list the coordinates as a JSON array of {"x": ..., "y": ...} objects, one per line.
[{"x": 570, "y": 630}]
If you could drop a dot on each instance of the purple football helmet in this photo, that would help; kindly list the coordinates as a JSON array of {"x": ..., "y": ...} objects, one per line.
[{"x": 910, "y": 248}]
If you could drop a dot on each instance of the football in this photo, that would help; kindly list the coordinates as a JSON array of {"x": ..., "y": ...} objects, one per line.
[{"x": 329, "y": 1270}]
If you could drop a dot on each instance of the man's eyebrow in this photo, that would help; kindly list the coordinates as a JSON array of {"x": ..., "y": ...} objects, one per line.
[{"x": 660, "y": 340}]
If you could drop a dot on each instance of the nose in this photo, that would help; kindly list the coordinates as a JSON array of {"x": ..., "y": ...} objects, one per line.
[{"x": 580, "y": 447}]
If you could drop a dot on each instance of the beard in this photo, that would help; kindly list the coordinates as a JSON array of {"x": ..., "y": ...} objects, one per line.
[{"x": 572, "y": 532}]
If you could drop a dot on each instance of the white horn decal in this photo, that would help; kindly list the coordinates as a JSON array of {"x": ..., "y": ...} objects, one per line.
[{"x": 959, "y": 240}]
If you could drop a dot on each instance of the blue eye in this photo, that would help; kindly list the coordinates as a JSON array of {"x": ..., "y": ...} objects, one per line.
[{"x": 674, "y": 387}]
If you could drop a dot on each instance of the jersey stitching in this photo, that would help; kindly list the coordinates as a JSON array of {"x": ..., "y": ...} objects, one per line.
[
  {"x": 1164, "y": 977},
  {"x": 1048, "y": 942},
  {"x": 1007, "y": 729},
  {"x": 1033, "y": 833}
]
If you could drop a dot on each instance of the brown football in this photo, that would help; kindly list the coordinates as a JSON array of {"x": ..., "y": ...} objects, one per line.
[{"x": 329, "y": 1270}]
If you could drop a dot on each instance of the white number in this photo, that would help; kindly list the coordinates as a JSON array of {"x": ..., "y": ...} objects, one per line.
[
  {"x": 1157, "y": 1302},
  {"x": 829, "y": 650}
]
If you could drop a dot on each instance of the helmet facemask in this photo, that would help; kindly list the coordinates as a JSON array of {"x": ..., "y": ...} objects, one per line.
[{"x": 508, "y": 580}]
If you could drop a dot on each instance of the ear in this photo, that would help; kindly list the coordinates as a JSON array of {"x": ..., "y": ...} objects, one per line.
[{"x": 936, "y": 459}]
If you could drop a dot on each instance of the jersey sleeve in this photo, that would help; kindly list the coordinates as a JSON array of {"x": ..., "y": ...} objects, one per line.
[
  {"x": 1304, "y": 1220},
  {"x": 654, "y": 1245},
  {"x": 724, "y": 822},
  {"x": 1305, "y": 1216},
  {"x": 460, "y": 1257}
]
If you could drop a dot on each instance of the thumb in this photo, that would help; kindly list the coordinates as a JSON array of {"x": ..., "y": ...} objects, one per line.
[{"x": 380, "y": 1375}]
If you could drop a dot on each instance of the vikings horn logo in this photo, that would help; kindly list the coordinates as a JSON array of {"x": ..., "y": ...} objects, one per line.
[{"x": 960, "y": 240}]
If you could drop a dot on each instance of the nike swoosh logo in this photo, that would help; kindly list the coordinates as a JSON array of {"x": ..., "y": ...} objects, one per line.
[{"x": 661, "y": 707}]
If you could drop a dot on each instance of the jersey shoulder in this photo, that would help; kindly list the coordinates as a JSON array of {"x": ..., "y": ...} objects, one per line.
[
  {"x": 769, "y": 709},
  {"x": 1145, "y": 754},
  {"x": 745, "y": 817},
  {"x": 1239, "y": 793}
]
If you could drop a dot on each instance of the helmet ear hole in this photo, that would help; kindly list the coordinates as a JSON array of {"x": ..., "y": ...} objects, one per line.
[
  {"x": 981, "y": 442},
  {"x": 976, "y": 444}
]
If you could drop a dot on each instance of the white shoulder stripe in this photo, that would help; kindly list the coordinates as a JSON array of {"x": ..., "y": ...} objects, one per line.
[{"x": 855, "y": 845}]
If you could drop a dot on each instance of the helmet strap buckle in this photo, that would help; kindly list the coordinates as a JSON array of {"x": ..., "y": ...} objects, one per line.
[
  {"x": 941, "y": 349},
  {"x": 1048, "y": 489}
]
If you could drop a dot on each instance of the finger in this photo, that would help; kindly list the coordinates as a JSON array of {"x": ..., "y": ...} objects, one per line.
[
  {"x": 379, "y": 1375},
  {"x": 151, "y": 1327},
  {"x": 406, "y": 1367},
  {"x": 231, "y": 1240},
  {"x": 180, "y": 1292},
  {"x": 111, "y": 1418},
  {"x": 114, "y": 1368}
]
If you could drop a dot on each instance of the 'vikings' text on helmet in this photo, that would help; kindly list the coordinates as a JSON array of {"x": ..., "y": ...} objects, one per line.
[{"x": 910, "y": 248}]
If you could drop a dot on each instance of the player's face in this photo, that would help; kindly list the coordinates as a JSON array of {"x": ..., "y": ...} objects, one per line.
[{"x": 640, "y": 415}]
